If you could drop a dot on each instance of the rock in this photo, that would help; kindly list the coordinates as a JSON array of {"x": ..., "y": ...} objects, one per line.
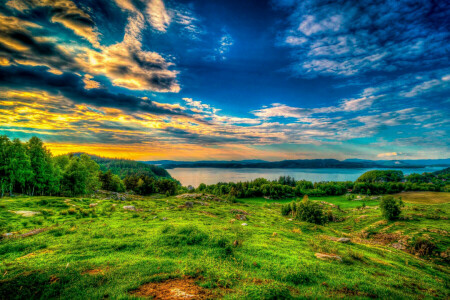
[
  {"x": 189, "y": 204},
  {"x": 289, "y": 219},
  {"x": 343, "y": 240},
  {"x": 8, "y": 234},
  {"x": 398, "y": 246},
  {"x": 93, "y": 205},
  {"x": 129, "y": 207},
  {"x": 241, "y": 217},
  {"x": 325, "y": 256},
  {"x": 164, "y": 219},
  {"x": 27, "y": 213},
  {"x": 244, "y": 224}
]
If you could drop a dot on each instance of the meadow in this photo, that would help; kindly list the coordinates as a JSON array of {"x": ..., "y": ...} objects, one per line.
[{"x": 186, "y": 247}]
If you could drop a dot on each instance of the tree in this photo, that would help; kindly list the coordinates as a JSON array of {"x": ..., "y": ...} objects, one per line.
[
  {"x": 5, "y": 148},
  {"x": 390, "y": 207},
  {"x": 40, "y": 161},
  {"x": 19, "y": 167},
  {"x": 80, "y": 175}
]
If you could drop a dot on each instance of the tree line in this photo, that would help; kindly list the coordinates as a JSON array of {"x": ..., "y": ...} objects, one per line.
[
  {"x": 30, "y": 168},
  {"x": 370, "y": 183}
]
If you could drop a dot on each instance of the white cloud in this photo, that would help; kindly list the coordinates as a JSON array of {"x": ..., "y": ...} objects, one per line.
[{"x": 157, "y": 15}]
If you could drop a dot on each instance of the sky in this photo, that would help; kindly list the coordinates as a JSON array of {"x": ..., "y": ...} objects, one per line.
[{"x": 228, "y": 80}]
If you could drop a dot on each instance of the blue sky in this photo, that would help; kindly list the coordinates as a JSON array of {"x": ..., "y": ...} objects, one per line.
[{"x": 188, "y": 80}]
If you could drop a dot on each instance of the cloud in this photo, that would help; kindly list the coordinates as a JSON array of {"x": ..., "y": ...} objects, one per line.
[
  {"x": 224, "y": 45},
  {"x": 124, "y": 63},
  {"x": 64, "y": 12},
  {"x": 157, "y": 15},
  {"x": 388, "y": 154},
  {"x": 18, "y": 45},
  {"x": 344, "y": 38},
  {"x": 72, "y": 87}
]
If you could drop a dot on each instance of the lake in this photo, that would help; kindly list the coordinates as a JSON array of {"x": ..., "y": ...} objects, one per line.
[{"x": 195, "y": 176}]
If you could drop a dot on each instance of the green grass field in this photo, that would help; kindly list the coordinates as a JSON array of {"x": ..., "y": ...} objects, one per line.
[{"x": 167, "y": 251}]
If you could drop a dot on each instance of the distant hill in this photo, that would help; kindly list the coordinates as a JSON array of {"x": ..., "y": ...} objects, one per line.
[
  {"x": 303, "y": 164},
  {"x": 406, "y": 162},
  {"x": 124, "y": 167}
]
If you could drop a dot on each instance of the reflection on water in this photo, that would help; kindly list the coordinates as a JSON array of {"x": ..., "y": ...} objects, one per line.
[{"x": 195, "y": 176}]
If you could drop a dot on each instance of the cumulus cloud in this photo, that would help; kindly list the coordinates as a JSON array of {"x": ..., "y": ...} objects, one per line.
[{"x": 345, "y": 38}]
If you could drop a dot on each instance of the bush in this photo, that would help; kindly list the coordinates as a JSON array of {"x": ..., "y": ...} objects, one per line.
[
  {"x": 423, "y": 246},
  {"x": 310, "y": 212},
  {"x": 181, "y": 236},
  {"x": 390, "y": 207}
]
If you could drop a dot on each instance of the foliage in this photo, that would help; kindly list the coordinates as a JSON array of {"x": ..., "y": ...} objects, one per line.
[
  {"x": 111, "y": 182},
  {"x": 381, "y": 176},
  {"x": 306, "y": 210},
  {"x": 390, "y": 207},
  {"x": 29, "y": 168}
]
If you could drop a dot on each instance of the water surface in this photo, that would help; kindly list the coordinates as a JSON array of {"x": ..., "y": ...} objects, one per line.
[{"x": 195, "y": 176}]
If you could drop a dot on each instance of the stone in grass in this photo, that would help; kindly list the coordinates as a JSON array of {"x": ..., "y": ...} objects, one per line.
[
  {"x": 164, "y": 219},
  {"x": 27, "y": 213},
  {"x": 326, "y": 256},
  {"x": 241, "y": 217},
  {"x": 244, "y": 224},
  {"x": 343, "y": 240},
  {"x": 189, "y": 204},
  {"x": 129, "y": 207},
  {"x": 93, "y": 205},
  {"x": 398, "y": 246}
]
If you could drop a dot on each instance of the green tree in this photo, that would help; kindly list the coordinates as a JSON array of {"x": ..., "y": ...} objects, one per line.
[
  {"x": 390, "y": 207},
  {"x": 80, "y": 175},
  {"x": 19, "y": 167}
]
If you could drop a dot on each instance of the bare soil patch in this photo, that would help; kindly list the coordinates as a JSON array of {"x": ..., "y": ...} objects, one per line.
[
  {"x": 177, "y": 288},
  {"x": 93, "y": 272}
]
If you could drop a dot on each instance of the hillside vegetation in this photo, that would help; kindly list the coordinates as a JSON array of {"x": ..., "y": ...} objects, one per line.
[{"x": 200, "y": 246}]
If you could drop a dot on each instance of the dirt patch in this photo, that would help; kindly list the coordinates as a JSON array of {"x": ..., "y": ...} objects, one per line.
[
  {"x": 328, "y": 256},
  {"x": 177, "y": 288},
  {"x": 93, "y": 272},
  {"x": 208, "y": 214},
  {"x": 33, "y": 232}
]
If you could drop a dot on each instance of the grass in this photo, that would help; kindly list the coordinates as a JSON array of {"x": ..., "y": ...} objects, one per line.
[
  {"x": 424, "y": 197},
  {"x": 108, "y": 252}
]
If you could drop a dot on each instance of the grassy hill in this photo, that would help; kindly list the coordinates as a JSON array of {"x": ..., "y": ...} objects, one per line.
[{"x": 80, "y": 248}]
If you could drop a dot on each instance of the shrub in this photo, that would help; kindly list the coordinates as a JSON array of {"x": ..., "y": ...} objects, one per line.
[
  {"x": 390, "y": 207},
  {"x": 310, "y": 212},
  {"x": 286, "y": 209},
  {"x": 423, "y": 246}
]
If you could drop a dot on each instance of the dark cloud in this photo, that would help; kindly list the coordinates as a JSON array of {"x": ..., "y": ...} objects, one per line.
[{"x": 71, "y": 86}]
